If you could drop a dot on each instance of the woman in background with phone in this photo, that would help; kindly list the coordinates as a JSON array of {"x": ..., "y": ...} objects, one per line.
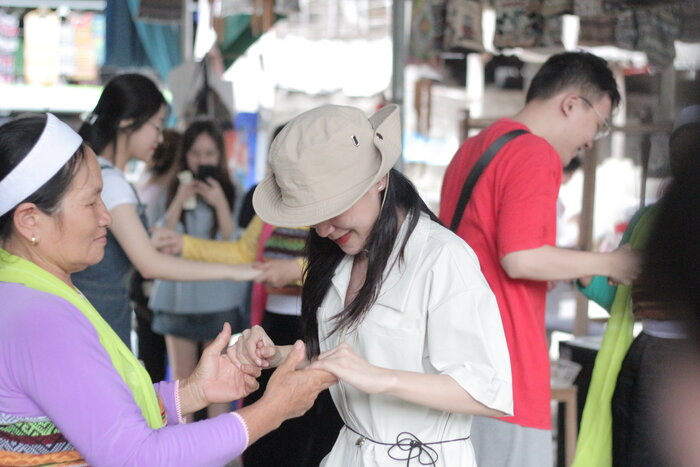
[{"x": 190, "y": 314}]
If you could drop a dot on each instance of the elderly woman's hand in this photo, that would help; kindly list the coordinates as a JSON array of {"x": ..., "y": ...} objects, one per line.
[
  {"x": 255, "y": 347},
  {"x": 166, "y": 240},
  {"x": 217, "y": 378},
  {"x": 289, "y": 393}
]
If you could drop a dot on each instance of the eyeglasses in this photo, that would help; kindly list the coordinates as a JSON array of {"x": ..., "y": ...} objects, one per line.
[{"x": 604, "y": 129}]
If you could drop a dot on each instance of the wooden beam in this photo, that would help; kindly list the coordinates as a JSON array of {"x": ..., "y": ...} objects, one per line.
[{"x": 585, "y": 239}]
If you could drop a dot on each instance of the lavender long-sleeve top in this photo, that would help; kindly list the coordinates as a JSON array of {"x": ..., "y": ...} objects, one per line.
[{"x": 53, "y": 365}]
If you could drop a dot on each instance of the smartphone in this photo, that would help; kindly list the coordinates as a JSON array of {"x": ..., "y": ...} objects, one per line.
[{"x": 204, "y": 171}]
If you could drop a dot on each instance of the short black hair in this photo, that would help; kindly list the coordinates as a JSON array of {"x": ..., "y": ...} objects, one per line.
[
  {"x": 588, "y": 73},
  {"x": 17, "y": 138}
]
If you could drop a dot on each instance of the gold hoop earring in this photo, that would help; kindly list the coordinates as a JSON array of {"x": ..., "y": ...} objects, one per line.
[{"x": 34, "y": 241}]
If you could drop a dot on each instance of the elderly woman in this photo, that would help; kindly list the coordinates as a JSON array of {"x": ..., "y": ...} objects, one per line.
[
  {"x": 394, "y": 304},
  {"x": 70, "y": 390}
]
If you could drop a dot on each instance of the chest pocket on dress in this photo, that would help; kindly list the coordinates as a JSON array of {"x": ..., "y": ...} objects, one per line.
[{"x": 391, "y": 339}]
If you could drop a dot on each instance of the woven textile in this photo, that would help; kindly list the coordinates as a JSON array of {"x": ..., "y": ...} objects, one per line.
[
  {"x": 285, "y": 243},
  {"x": 34, "y": 441}
]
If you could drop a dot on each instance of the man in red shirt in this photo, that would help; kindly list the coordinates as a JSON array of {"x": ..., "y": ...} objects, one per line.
[{"x": 510, "y": 222}]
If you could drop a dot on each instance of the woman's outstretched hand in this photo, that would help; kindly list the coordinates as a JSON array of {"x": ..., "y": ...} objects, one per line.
[
  {"x": 351, "y": 368},
  {"x": 166, "y": 240},
  {"x": 217, "y": 378},
  {"x": 279, "y": 272},
  {"x": 255, "y": 347}
]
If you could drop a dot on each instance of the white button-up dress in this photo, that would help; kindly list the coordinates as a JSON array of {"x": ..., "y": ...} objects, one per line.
[{"x": 435, "y": 314}]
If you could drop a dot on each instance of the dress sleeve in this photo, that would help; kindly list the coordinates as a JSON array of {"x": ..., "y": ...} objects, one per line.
[
  {"x": 241, "y": 251},
  {"x": 70, "y": 377},
  {"x": 465, "y": 334},
  {"x": 168, "y": 393}
]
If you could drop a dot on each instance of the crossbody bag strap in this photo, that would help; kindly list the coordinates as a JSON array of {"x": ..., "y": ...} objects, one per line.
[{"x": 476, "y": 172}]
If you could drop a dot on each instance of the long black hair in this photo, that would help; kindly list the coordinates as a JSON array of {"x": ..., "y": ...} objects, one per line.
[
  {"x": 125, "y": 97},
  {"x": 197, "y": 128},
  {"x": 17, "y": 138},
  {"x": 324, "y": 256}
]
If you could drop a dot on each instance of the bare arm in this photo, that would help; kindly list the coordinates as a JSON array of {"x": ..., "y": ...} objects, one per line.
[
  {"x": 172, "y": 215},
  {"x": 440, "y": 392},
  {"x": 133, "y": 238},
  {"x": 551, "y": 263}
]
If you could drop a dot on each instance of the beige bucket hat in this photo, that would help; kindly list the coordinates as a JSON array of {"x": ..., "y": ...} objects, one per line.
[{"x": 324, "y": 160}]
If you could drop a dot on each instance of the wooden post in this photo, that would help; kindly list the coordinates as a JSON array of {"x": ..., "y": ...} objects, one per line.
[{"x": 585, "y": 239}]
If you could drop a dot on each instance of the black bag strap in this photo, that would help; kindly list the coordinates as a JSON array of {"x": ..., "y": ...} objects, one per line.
[{"x": 476, "y": 172}]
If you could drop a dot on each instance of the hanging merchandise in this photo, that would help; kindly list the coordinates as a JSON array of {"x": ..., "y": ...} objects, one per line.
[
  {"x": 99, "y": 26},
  {"x": 42, "y": 36},
  {"x": 9, "y": 44},
  {"x": 552, "y": 31},
  {"x": 689, "y": 14},
  {"x": 658, "y": 28},
  {"x": 205, "y": 35},
  {"x": 626, "y": 30},
  {"x": 427, "y": 27},
  {"x": 553, "y": 12},
  {"x": 614, "y": 6},
  {"x": 557, "y": 7},
  {"x": 518, "y": 23},
  {"x": 86, "y": 66},
  {"x": 588, "y": 9},
  {"x": 161, "y": 11},
  {"x": 463, "y": 25},
  {"x": 66, "y": 60},
  {"x": 597, "y": 31},
  {"x": 197, "y": 91}
]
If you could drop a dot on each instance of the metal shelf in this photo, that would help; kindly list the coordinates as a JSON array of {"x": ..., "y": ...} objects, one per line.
[
  {"x": 97, "y": 5},
  {"x": 63, "y": 98}
]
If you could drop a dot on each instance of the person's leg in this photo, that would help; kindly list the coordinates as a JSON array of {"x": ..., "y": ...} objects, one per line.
[
  {"x": 182, "y": 354},
  {"x": 503, "y": 444},
  {"x": 151, "y": 348}
]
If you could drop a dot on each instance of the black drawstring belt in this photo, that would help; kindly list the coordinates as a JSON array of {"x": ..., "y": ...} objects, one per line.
[{"x": 410, "y": 445}]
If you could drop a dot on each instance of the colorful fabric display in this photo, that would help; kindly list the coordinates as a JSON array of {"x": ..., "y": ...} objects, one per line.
[
  {"x": 42, "y": 36},
  {"x": 9, "y": 43},
  {"x": 552, "y": 30},
  {"x": 518, "y": 23},
  {"x": 167, "y": 11},
  {"x": 557, "y": 7},
  {"x": 86, "y": 68},
  {"x": 463, "y": 25},
  {"x": 626, "y": 30},
  {"x": 588, "y": 8},
  {"x": 689, "y": 12},
  {"x": 597, "y": 30},
  {"x": 658, "y": 28},
  {"x": 427, "y": 27}
]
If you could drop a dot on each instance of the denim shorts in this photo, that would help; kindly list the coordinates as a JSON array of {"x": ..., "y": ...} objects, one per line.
[{"x": 198, "y": 327}]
